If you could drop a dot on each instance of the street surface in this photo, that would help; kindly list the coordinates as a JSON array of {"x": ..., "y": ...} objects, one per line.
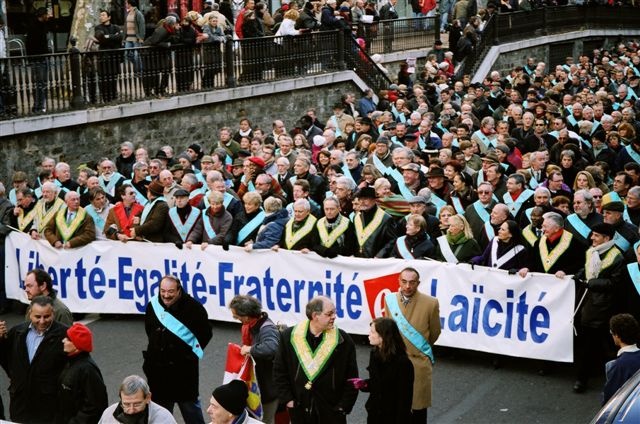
[{"x": 467, "y": 389}]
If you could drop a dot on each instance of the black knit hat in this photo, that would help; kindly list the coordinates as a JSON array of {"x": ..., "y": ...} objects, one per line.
[{"x": 232, "y": 396}]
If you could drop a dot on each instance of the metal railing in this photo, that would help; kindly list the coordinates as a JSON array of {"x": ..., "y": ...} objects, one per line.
[
  {"x": 357, "y": 59},
  {"x": 399, "y": 34},
  {"x": 516, "y": 26}
]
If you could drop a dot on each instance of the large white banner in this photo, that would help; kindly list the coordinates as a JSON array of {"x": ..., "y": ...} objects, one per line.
[{"x": 481, "y": 309}]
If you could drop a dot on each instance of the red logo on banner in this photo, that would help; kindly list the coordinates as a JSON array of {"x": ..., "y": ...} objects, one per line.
[{"x": 376, "y": 289}]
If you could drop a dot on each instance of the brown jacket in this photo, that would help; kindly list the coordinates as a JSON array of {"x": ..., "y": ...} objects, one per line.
[
  {"x": 154, "y": 226},
  {"x": 83, "y": 235},
  {"x": 423, "y": 313}
]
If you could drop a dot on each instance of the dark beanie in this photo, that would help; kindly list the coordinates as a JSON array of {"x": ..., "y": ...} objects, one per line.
[{"x": 232, "y": 396}]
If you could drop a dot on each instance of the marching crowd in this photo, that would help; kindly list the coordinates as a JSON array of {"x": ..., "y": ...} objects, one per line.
[{"x": 534, "y": 171}]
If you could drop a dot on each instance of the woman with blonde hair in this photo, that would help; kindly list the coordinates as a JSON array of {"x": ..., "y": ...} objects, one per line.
[
  {"x": 583, "y": 181},
  {"x": 458, "y": 244}
]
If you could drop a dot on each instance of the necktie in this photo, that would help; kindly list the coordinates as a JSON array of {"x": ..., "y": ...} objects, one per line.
[{"x": 70, "y": 217}]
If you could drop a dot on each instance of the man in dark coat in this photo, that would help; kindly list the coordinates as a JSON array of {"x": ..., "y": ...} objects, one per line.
[
  {"x": 32, "y": 355},
  {"x": 152, "y": 222},
  {"x": 171, "y": 361},
  {"x": 374, "y": 228},
  {"x": 320, "y": 394},
  {"x": 82, "y": 393}
]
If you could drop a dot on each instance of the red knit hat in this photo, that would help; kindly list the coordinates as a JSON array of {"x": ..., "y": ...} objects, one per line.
[{"x": 81, "y": 337}]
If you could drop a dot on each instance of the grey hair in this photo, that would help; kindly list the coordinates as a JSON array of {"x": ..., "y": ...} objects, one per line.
[
  {"x": 554, "y": 217},
  {"x": 347, "y": 182},
  {"x": 272, "y": 204},
  {"x": 304, "y": 203},
  {"x": 127, "y": 144},
  {"x": 139, "y": 165},
  {"x": 170, "y": 20},
  {"x": 542, "y": 189},
  {"x": 587, "y": 196},
  {"x": 132, "y": 384},
  {"x": 246, "y": 306}
]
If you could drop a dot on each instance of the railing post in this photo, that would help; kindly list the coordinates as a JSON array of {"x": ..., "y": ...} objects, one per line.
[
  {"x": 77, "y": 102},
  {"x": 340, "y": 60},
  {"x": 228, "y": 61},
  {"x": 437, "y": 27}
]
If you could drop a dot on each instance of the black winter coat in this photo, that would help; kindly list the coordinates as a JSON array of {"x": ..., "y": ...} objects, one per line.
[
  {"x": 170, "y": 365},
  {"x": 35, "y": 381},
  {"x": 264, "y": 347},
  {"x": 390, "y": 385},
  {"x": 83, "y": 395}
]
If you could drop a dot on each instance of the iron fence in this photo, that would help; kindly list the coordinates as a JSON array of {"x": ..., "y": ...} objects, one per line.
[{"x": 399, "y": 34}]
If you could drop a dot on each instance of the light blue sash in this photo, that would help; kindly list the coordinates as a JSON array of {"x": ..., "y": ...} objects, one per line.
[
  {"x": 622, "y": 243},
  {"x": 527, "y": 213},
  {"x": 457, "y": 204},
  {"x": 634, "y": 155},
  {"x": 139, "y": 196},
  {"x": 148, "y": 207},
  {"x": 488, "y": 228},
  {"x": 406, "y": 329},
  {"x": 402, "y": 248},
  {"x": 176, "y": 327},
  {"x": 111, "y": 186},
  {"x": 335, "y": 121},
  {"x": 183, "y": 229},
  {"x": 421, "y": 144},
  {"x": 438, "y": 202},
  {"x": 634, "y": 273},
  {"x": 626, "y": 217},
  {"x": 515, "y": 205},
  {"x": 481, "y": 211},
  {"x": 572, "y": 120},
  {"x": 595, "y": 126},
  {"x": 380, "y": 166},
  {"x": 579, "y": 225},
  {"x": 250, "y": 226},
  {"x": 12, "y": 197},
  {"x": 207, "y": 225},
  {"x": 347, "y": 173},
  {"x": 485, "y": 140},
  {"x": 251, "y": 187},
  {"x": 99, "y": 221},
  {"x": 554, "y": 134},
  {"x": 397, "y": 115}
]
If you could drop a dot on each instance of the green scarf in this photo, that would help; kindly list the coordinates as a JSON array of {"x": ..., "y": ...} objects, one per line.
[{"x": 458, "y": 239}]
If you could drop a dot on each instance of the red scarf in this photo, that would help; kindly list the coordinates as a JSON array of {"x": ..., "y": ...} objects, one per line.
[
  {"x": 247, "y": 338},
  {"x": 555, "y": 236}
]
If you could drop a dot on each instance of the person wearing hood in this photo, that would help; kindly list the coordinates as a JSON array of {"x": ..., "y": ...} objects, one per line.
[{"x": 82, "y": 395}]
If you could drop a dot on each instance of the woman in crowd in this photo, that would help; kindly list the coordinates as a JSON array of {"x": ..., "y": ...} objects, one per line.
[
  {"x": 583, "y": 181},
  {"x": 390, "y": 382},
  {"x": 445, "y": 213},
  {"x": 415, "y": 244},
  {"x": 369, "y": 175},
  {"x": 463, "y": 193},
  {"x": 260, "y": 339},
  {"x": 98, "y": 210},
  {"x": 506, "y": 250},
  {"x": 458, "y": 244},
  {"x": 300, "y": 143}
]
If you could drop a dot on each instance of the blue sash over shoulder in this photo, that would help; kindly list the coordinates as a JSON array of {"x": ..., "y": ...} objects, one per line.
[
  {"x": 176, "y": 327},
  {"x": 406, "y": 329}
]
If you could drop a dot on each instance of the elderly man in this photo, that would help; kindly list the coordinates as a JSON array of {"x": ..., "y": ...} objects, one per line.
[
  {"x": 499, "y": 214},
  {"x": 584, "y": 217},
  {"x": 22, "y": 215},
  {"x": 626, "y": 235},
  {"x": 139, "y": 182},
  {"x": 374, "y": 227},
  {"x": 381, "y": 157},
  {"x": 596, "y": 284},
  {"x": 214, "y": 224},
  {"x": 32, "y": 355},
  {"x": 632, "y": 211},
  {"x": 478, "y": 213},
  {"x": 313, "y": 365},
  {"x": 72, "y": 226},
  {"x": 110, "y": 179},
  {"x": 63, "y": 179},
  {"x": 557, "y": 252},
  {"x": 183, "y": 219},
  {"x": 126, "y": 159},
  {"x": 300, "y": 232},
  {"x": 46, "y": 209},
  {"x": 485, "y": 137},
  {"x": 152, "y": 222},
  {"x": 317, "y": 185},
  {"x": 135, "y": 405},
  {"x": 335, "y": 231},
  {"x": 344, "y": 188},
  {"x": 418, "y": 318},
  {"x": 178, "y": 329},
  {"x": 228, "y": 404}
]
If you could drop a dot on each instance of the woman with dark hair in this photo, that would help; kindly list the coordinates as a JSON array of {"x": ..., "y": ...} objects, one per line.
[
  {"x": 390, "y": 382},
  {"x": 463, "y": 193},
  {"x": 260, "y": 339},
  {"x": 323, "y": 160},
  {"x": 505, "y": 250}
]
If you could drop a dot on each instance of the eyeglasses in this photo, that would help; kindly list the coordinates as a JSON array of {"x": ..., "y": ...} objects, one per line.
[
  {"x": 132, "y": 405},
  {"x": 484, "y": 192}
]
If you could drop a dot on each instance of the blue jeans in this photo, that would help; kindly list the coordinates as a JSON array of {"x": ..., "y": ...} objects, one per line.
[
  {"x": 40, "y": 80},
  {"x": 420, "y": 24},
  {"x": 133, "y": 56},
  {"x": 191, "y": 411}
]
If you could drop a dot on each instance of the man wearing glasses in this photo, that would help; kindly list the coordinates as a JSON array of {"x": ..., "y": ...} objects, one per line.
[{"x": 135, "y": 405}]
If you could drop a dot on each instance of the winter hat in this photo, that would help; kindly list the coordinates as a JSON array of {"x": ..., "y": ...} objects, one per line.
[
  {"x": 156, "y": 188},
  {"x": 81, "y": 337},
  {"x": 232, "y": 396}
]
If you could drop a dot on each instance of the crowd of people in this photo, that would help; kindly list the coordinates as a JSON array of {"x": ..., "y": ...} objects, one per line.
[{"x": 534, "y": 171}]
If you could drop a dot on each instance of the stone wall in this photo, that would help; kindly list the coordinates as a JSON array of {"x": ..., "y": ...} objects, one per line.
[{"x": 82, "y": 143}]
